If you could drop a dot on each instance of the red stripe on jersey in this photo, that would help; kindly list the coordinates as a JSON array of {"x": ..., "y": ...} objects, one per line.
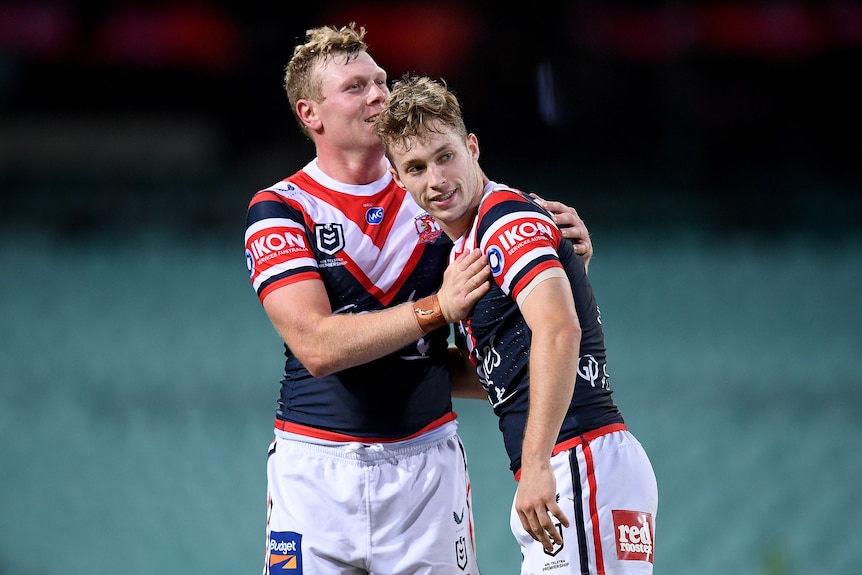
[
  {"x": 389, "y": 198},
  {"x": 515, "y": 236},
  {"x": 287, "y": 281},
  {"x": 267, "y": 195},
  {"x": 385, "y": 297},
  {"x": 277, "y": 245},
  {"x": 530, "y": 275},
  {"x": 501, "y": 194},
  {"x": 582, "y": 439},
  {"x": 307, "y": 431},
  {"x": 286, "y": 246}
]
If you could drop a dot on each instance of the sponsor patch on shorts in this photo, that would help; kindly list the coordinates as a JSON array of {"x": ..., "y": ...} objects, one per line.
[
  {"x": 634, "y": 532},
  {"x": 285, "y": 552}
]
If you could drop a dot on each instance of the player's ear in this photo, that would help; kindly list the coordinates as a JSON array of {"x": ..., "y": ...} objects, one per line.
[
  {"x": 395, "y": 177},
  {"x": 473, "y": 146},
  {"x": 308, "y": 114}
]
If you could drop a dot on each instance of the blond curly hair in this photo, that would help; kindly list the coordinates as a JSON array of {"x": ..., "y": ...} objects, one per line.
[{"x": 321, "y": 44}]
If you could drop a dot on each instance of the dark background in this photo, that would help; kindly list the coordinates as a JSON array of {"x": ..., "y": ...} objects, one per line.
[
  {"x": 712, "y": 147},
  {"x": 733, "y": 115}
]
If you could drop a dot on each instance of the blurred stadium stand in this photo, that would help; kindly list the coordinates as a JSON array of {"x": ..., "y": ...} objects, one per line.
[
  {"x": 713, "y": 148},
  {"x": 748, "y": 110}
]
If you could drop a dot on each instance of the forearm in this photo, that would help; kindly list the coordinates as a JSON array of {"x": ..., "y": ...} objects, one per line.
[
  {"x": 327, "y": 343},
  {"x": 553, "y": 368},
  {"x": 347, "y": 340}
]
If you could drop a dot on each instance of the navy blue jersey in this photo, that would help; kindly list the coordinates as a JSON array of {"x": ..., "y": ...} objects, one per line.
[
  {"x": 521, "y": 241},
  {"x": 373, "y": 248}
]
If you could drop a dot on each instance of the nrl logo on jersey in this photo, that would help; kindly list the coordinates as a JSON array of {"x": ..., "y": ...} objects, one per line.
[
  {"x": 427, "y": 228},
  {"x": 330, "y": 238}
]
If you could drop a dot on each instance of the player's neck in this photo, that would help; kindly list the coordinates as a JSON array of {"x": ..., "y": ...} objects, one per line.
[{"x": 354, "y": 167}]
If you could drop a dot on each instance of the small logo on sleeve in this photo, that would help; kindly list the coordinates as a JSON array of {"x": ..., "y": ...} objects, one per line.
[
  {"x": 249, "y": 263},
  {"x": 634, "y": 533},
  {"x": 285, "y": 552},
  {"x": 496, "y": 260}
]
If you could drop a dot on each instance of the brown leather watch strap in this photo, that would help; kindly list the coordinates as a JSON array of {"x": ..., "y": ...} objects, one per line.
[{"x": 429, "y": 314}]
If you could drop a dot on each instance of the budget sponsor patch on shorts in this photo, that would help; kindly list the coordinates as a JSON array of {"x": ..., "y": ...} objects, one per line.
[
  {"x": 634, "y": 534},
  {"x": 285, "y": 552}
]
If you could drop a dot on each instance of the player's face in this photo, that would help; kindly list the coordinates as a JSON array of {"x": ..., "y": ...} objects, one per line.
[
  {"x": 354, "y": 93},
  {"x": 442, "y": 174}
]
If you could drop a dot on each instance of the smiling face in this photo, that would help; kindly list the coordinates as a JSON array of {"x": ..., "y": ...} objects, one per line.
[
  {"x": 353, "y": 91},
  {"x": 441, "y": 171}
]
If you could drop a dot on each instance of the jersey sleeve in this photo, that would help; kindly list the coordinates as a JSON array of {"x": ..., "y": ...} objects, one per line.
[
  {"x": 277, "y": 246},
  {"x": 520, "y": 240}
]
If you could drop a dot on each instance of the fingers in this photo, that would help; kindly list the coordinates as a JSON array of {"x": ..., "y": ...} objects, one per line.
[
  {"x": 541, "y": 527},
  {"x": 464, "y": 282},
  {"x": 571, "y": 226},
  {"x": 537, "y": 507},
  {"x": 473, "y": 272},
  {"x": 554, "y": 533},
  {"x": 567, "y": 219},
  {"x": 466, "y": 260}
]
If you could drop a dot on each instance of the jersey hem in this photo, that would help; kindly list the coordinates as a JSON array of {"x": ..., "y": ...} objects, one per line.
[
  {"x": 307, "y": 431},
  {"x": 581, "y": 439}
]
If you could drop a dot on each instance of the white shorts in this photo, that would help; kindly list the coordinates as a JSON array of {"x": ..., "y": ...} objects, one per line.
[
  {"x": 607, "y": 489},
  {"x": 386, "y": 509}
]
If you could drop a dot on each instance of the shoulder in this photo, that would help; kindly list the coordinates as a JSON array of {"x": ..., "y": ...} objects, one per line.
[
  {"x": 291, "y": 188},
  {"x": 512, "y": 221},
  {"x": 504, "y": 204}
]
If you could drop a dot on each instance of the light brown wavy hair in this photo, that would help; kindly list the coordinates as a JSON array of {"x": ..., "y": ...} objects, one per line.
[{"x": 418, "y": 106}]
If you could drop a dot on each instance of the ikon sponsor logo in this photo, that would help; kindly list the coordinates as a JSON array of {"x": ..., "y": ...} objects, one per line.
[
  {"x": 285, "y": 552},
  {"x": 275, "y": 242},
  {"x": 522, "y": 232},
  {"x": 634, "y": 531}
]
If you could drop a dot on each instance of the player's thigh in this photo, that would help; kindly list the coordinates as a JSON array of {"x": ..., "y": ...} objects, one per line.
[
  {"x": 316, "y": 520},
  {"x": 425, "y": 524},
  {"x": 608, "y": 492},
  {"x": 626, "y": 495}
]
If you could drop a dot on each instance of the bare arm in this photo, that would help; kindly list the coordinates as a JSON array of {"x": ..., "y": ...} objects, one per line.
[
  {"x": 550, "y": 312},
  {"x": 326, "y": 343}
]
